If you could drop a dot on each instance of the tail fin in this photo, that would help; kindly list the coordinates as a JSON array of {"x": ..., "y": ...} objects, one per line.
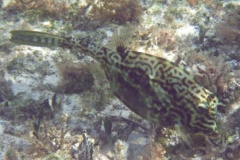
[
  {"x": 43, "y": 39},
  {"x": 34, "y": 38}
]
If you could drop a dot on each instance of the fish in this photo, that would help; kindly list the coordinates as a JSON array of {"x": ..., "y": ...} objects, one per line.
[{"x": 154, "y": 88}]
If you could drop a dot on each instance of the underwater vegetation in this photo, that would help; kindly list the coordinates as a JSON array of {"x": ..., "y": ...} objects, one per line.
[
  {"x": 117, "y": 11},
  {"x": 11, "y": 154},
  {"x": 207, "y": 2},
  {"x": 50, "y": 138},
  {"x": 6, "y": 93},
  {"x": 164, "y": 37},
  {"x": 37, "y": 9},
  {"x": 154, "y": 151},
  {"x": 91, "y": 14},
  {"x": 24, "y": 108},
  {"x": 75, "y": 78},
  {"x": 228, "y": 30}
]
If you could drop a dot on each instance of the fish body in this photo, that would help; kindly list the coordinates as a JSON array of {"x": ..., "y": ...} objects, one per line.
[{"x": 152, "y": 87}]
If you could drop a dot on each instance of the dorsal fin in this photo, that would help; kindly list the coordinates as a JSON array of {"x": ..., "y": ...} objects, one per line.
[{"x": 121, "y": 39}]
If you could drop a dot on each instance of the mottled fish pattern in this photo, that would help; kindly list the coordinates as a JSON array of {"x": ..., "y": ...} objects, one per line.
[{"x": 152, "y": 87}]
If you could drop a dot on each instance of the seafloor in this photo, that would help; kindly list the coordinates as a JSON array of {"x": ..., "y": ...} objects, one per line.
[{"x": 57, "y": 104}]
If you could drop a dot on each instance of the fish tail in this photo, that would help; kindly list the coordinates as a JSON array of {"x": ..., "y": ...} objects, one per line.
[{"x": 35, "y": 38}]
